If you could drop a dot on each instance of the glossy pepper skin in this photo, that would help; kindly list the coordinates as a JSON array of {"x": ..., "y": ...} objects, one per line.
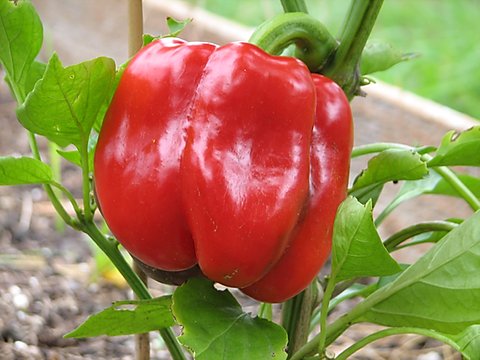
[
  {"x": 215, "y": 155},
  {"x": 329, "y": 168}
]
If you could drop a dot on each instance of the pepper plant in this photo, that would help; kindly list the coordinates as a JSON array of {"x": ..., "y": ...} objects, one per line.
[{"x": 230, "y": 165}]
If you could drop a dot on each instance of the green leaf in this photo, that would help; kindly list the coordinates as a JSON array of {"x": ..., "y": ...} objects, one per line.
[
  {"x": 368, "y": 193},
  {"x": 391, "y": 165},
  {"x": 66, "y": 101},
  {"x": 357, "y": 247},
  {"x": 214, "y": 326},
  {"x": 147, "y": 39},
  {"x": 176, "y": 26},
  {"x": 36, "y": 73},
  {"x": 24, "y": 171},
  {"x": 127, "y": 317},
  {"x": 21, "y": 37},
  {"x": 97, "y": 126},
  {"x": 72, "y": 156},
  {"x": 432, "y": 184},
  {"x": 468, "y": 342},
  {"x": 75, "y": 157},
  {"x": 385, "y": 280},
  {"x": 380, "y": 56},
  {"x": 459, "y": 149},
  {"x": 410, "y": 190},
  {"x": 441, "y": 291}
]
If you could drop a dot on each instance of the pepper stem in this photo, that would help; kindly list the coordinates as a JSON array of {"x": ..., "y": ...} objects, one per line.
[
  {"x": 314, "y": 44},
  {"x": 294, "y": 6},
  {"x": 358, "y": 24}
]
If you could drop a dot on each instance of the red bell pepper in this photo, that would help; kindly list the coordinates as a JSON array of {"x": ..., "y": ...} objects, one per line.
[{"x": 226, "y": 156}]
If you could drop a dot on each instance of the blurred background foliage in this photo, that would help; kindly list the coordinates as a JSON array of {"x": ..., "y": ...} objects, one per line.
[{"x": 445, "y": 34}]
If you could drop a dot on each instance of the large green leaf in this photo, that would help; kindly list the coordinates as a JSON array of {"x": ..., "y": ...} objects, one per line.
[
  {"x": 21, "y": 37},
  {"x": 357, "y": 247},
  {"x": 214, "y": 326},
  {"x": 389, "y": 165},
  {"x": 441, "y": 291},
  {"x": 65, "y": 103},
  {"x": 23, "y": 171},
  {"x": 459, "y": 149},
  {"x": 127, "y": 317}
]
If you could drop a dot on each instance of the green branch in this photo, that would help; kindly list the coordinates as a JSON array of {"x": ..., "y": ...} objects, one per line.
[
  {"x": 454, "y": 181},
  {"x": 376, "y": 148},
  {"x": 396, "y": 239},
  {"x": 324, "y": 314},
  {"x": 345, "y": 355}
]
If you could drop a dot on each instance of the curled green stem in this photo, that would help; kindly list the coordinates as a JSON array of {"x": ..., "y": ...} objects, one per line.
[
  {"x": 396, "y": 239},
  {"x": 314, "y": 44}
]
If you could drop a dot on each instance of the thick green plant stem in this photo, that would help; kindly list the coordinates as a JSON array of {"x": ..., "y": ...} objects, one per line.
[
  {"x": 343, "y": 67},
  {"x": 396, "y": 239},
  {"x": 294, "y": 6},
  {"x": 345, "y": 355},
  {"x": 314, "y": 44},
  {"x": 296, "y": 315}
]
